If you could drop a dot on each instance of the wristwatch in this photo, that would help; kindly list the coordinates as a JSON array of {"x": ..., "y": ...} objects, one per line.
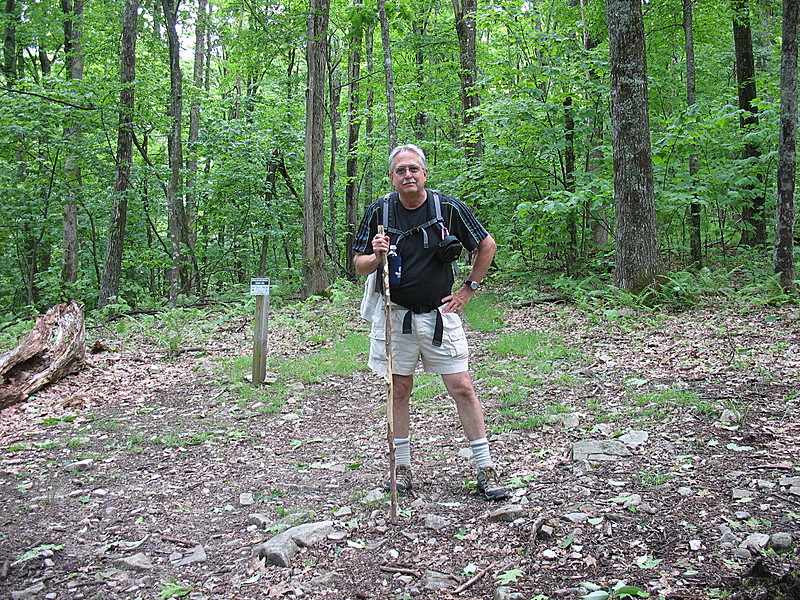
[{"x": 472, "y": 284}]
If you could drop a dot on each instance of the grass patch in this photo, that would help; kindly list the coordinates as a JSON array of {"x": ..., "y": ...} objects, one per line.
[
  {"x": 655, "y": 402},
  {"x": 482, "y": 312},
  {"x": 536, "y": 350}
]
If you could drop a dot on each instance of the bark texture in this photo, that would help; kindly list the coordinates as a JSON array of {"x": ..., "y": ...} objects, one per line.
[
  {"x": 315, "y": 276},
  {"x": 112, "y": 266},
  {"x": 55, "y": 347},
  {"x": 637, "y": 261},
  {"x": 787, "y": 149}
]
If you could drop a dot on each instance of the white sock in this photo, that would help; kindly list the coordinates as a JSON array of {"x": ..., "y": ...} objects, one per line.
[
  {"x": 480, "y": 452},
  {"x": 402, "y": 451}
]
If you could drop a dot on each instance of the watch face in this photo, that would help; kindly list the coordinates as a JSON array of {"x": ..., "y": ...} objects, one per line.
[{"x": 473, "y": 284}]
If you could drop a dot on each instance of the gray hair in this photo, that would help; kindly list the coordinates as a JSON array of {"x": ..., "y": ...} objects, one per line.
[{"x": 410, "y": 147}]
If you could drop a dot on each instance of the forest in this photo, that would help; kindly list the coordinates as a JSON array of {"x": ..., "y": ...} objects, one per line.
[{"x": 165, "y": 152}]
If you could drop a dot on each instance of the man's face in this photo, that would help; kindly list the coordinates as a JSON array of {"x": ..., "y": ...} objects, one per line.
[{"x": 408, "y": 176}]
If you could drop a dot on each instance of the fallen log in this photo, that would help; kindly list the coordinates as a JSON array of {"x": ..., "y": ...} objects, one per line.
[{"x": 54, "y": 348}]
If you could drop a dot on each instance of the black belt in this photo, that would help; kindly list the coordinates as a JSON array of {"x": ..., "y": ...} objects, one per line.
[{"x": 418, "y": 309}]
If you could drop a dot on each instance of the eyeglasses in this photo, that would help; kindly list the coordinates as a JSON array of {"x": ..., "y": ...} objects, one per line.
[{"x": 413, "y": 169}]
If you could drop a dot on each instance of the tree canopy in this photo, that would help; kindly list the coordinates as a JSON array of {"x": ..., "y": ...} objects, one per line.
[{"x": 521, "y": 130}]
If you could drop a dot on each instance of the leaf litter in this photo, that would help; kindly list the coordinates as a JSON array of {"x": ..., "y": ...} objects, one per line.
[{"x": 144, "y": 455}]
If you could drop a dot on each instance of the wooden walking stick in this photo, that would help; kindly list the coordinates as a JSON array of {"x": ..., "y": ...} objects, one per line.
[{"x": 387, "y": 299}]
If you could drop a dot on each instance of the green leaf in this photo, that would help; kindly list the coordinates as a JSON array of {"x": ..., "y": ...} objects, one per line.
[{"x": 509, "y": 576}]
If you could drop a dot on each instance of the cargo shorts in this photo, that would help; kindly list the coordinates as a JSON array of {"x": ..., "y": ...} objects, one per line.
[{"x": 409, "y": 349}]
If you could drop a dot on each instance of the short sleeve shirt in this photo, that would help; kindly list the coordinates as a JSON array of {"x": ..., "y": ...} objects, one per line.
[{"x": 425, "y": 280}]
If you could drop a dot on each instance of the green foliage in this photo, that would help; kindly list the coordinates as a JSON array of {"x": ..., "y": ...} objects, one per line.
[
  {"x": 173, "y": 589},
  {"x": 482, "y": 312}
]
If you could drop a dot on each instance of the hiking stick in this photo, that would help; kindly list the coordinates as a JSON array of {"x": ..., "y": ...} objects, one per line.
[{"x": 390, "y": 384}]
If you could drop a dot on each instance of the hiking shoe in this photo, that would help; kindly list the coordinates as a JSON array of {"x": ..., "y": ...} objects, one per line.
[
  {"x": 403, "y": 479},
  {"x": 489, "y": 484}
]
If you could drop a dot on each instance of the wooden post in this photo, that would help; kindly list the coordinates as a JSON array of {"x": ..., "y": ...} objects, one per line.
[
  {"x": 260, "y": 288},
  {"x": 390, "y": 385}
]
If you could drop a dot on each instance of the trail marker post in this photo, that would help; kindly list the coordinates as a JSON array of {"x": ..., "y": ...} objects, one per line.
[{"x": 259, "y": 287}]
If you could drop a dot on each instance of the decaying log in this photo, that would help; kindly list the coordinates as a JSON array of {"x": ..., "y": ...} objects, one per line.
[{"x": 54, "y": 348}]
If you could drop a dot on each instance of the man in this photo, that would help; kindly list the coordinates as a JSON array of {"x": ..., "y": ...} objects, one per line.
[{"x": 425, "y": 318}]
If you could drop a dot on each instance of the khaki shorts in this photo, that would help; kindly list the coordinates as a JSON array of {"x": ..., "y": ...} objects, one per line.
[{"x": 408, "y": 349}]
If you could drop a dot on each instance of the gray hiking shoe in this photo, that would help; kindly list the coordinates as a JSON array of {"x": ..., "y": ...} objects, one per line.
[
  {"x": 489, "y": 484},
  {"x": 403, "y": 477}
]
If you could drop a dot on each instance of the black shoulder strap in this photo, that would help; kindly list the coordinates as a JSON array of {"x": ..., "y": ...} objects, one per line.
[{"x": 386, "y": 203}]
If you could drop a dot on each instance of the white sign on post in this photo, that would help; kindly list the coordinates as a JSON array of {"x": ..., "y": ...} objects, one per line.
[{"x": 259, "y": 286}]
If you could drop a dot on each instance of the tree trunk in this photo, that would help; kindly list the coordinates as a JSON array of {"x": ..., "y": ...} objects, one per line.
[
  {"x": 468, "y": 74},
  {"x": 194, "y": 115},
  {"x": 176, "y": 224},
  {"x": 353, "y": 129},
  {"x": 571, "y": 252},
  {"x": 11, "y": 18},
  {"x": 784, "y": 221},
  {"x": 389, "y": 74},
  {"x": 695, "y": 213},
  {"x": 315, "y": 276},
  {"x": 112, "y": 266},
  {"x": 754, "y": 231},
  {"x": 334, "y": 95},
  {"x": 73, "y": 49},
  {"x": 637, "y": 263},
  {"x": 369, "y": 122},
  {"x": 55, "y": 347}
]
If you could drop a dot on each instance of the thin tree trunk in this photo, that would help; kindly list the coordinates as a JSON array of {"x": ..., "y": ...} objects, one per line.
[
  {"x": 194, "y": 115},
  {"x": 637, "y": 263},
  {"x": 468, "y": 74},
  {"x": 353, "y": 129},
  {"x": 389, "y": 73},
  {"x": 73, "y": 49},
  {"x": 571, "y": 253},
  {"x": 787, "y": 149},
  {"x": 334, "y": 95},
  {"x": 176, "y": 209},
  {"x": 369, "y": 123},
  {"x": 695, "y": 211},
  {"x": 112, "y": 266},
  {"x": 315, "y": 276},
  {"x": 754, "y": 231}
]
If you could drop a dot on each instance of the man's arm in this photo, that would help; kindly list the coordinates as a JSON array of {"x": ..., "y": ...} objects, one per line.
[
  {"x": 483, "y": 259},
  {"x": 367, "y": 263},
  {"x": 480, "y": 266}
]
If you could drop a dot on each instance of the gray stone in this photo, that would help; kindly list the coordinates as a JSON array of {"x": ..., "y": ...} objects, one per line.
[
  {"x": 789, "y": 481},
  {"x": 507, "y": 513},
  {"x": 684, "y": 491},
  {"x": 756, "y": 541},
  {"x": 739, "y": 494},
  {"x": 137, "y": 562},
  {"x": 795, "y": 490},
  {"x": 549, "y": 554},
  {"x": 599, "y": 450},
  {"x": 634, "y": 439},
  {"x": 436, "y": 581},
  {"x": 246, "y": 499},
  {"x": 781, "y": 541},
  {"x": 257, "y": 519},
  {"x": 80, "y": 465},
  {"x": 29, "y": 593},
  {"x": 373, "y": 496},
  {"x": 742, "y": 553},
  {"x": 545, "y": 532},
  {"x": 280, "y": 550},
  {"x": 564, "y": 420},
  {"x": 197, "y": 555},
  {"x": 436, "y": 522},
  {"x": 576, "y": 517},
  {"x": 505, "y": 593}
]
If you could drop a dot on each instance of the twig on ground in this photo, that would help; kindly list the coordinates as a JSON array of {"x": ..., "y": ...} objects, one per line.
[
  {"x": 178, "y": 541},
  {"x": 472, "y": 580}
]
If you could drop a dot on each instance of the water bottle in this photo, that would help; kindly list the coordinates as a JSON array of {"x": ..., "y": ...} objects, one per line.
[{"x": 395, "y": 266}]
